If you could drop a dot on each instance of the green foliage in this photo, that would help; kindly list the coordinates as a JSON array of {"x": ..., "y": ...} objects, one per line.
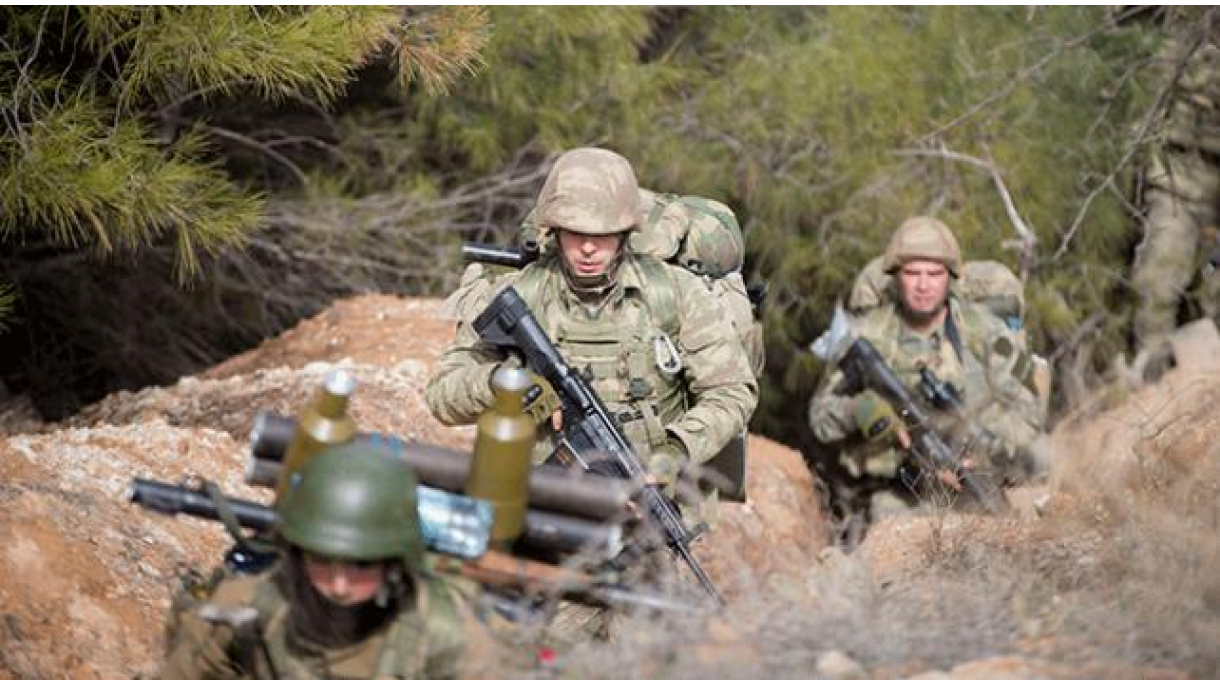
[
  {"x": 839, "y": 123},
  {"x": 81, "y": 164},
  {"x": 277, "y": 52},
  {"x": 554, "y": 76},
  {"x": 439, "y": 47},
  {"x": 98, "y": 153},
  {"x": 81, "y": 185},
  {"x": 151, "y": 133},
  {"x": 822, "y": 127}
]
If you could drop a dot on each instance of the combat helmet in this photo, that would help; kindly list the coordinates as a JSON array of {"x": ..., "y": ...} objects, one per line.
[
  {"x": 923, "y": 238},
  {"x": 355, "y": 502},
  {"x": 590, "y": 191}
]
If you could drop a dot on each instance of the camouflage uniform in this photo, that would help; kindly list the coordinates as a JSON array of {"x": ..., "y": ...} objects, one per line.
[
  {"x": 427, "y": 641},
  {"x": 692, "y": 385},
  {"x": 1183, "y": 205},
  {"x": 995, "y": 399},
  {"x": 983, "y": 282},
  {"x": 352, "y": 504},
  {"x": 973, "y": 350}
]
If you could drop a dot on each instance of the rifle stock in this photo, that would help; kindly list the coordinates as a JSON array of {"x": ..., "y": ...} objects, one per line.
[{"x": 531, "y": 577}]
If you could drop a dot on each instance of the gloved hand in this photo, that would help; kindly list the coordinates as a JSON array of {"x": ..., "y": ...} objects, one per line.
[
  {"x": 665, "y": 464},
  {"x": 541, "y": 401},
  {"x": 874, "y": 418},
  {"x": 545, "y": 402}
]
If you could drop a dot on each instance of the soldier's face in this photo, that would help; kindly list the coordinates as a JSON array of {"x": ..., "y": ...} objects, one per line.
[
  {"x": 586, "y": 255},
  {"x": 923, "y": 287},
  {"x": 344, "y": 582}
]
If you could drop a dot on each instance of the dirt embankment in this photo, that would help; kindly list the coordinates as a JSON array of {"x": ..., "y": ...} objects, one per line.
[
  {"x": 1114, "y": 573},
  {"x": 88, "y": 576}
]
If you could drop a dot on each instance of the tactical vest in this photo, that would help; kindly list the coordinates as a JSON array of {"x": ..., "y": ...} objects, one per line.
[
  {"x": 417, "y": 644},
  {"x": 627, "y": 351},
  {"x": 957, "y": 353},
  {"x": 700, "y": 235},
  {"x": 986, "y": 283},
  {"x": 963, "y": 357}
]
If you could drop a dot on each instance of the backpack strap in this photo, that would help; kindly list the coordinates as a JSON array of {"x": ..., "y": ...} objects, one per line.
[
  {"x": 660, "y": 295},
  {"x": 973, "y": 338},
  {"x": 1021, "y": 365},
  {"x": 271, "y": 639},
  {"x": 715, "y": 209},
  {"x": 532, "y": 281}
]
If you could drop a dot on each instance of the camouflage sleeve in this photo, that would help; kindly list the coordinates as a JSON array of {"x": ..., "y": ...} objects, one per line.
[
  {"x": 199, "y": 649},
  {"x": 830, "y": 410},
  {"x": 1012, "y": 412},
  {"x": 459, "y": 389},
  {"x": 719, "y": 380},
  {"x": 476, "y": 643}
]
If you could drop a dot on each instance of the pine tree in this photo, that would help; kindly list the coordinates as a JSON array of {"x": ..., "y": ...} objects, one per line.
[{"x": 111, "y": 153}]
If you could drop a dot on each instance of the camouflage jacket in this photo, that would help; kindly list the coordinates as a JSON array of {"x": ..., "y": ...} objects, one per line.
[
  {"x": 980, "y": 365},
  {"x": 620, "y": 347},
  {"x": 427, "y": 641}
]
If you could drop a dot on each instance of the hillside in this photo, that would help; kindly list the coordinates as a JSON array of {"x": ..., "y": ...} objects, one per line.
[{"x": 1116, "y": 573}]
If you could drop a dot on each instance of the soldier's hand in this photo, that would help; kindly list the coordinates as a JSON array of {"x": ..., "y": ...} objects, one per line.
[
  {"x": 664, "y": 465},
  {"x": 948, "y": 478},
  {"x": 874, "y": 418},
  {"x": 903, "y": 437},
  {"x": 557, "y": 420},
  {"x": 542, "y": 402}
]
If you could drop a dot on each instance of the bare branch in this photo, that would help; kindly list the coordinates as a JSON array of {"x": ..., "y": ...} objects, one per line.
[
  {"x": 1087, "y": 327},
  {"x": 1150, "y": 118},
  {"x": 1028, "y": 238},
  {"x": 1024, "y": 75},
  {"x": 261, "y": 147}
]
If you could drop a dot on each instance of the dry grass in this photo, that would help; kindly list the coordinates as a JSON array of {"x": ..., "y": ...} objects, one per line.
[{"x": 1119, "y": 577}]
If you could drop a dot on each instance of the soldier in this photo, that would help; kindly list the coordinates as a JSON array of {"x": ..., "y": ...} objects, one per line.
[
  {"x": 349, "y": 597},
  {"x": 678, "y": 381},
  {"x": 1182, "y": 194},
  {"x": 963, "y": 343}
]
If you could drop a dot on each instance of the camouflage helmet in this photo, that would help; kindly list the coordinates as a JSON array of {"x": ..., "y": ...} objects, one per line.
[
  {"x": 590, "y": 191},
  {"x": 923, "y": 238},
  {"x": 354, "y": 502}
]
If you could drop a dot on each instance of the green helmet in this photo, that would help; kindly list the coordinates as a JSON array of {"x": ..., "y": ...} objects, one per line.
[
  {"x": 591, "y": 191},
  {"x": 354, "y": 502},
  {"x": 923, "y": 238}
]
